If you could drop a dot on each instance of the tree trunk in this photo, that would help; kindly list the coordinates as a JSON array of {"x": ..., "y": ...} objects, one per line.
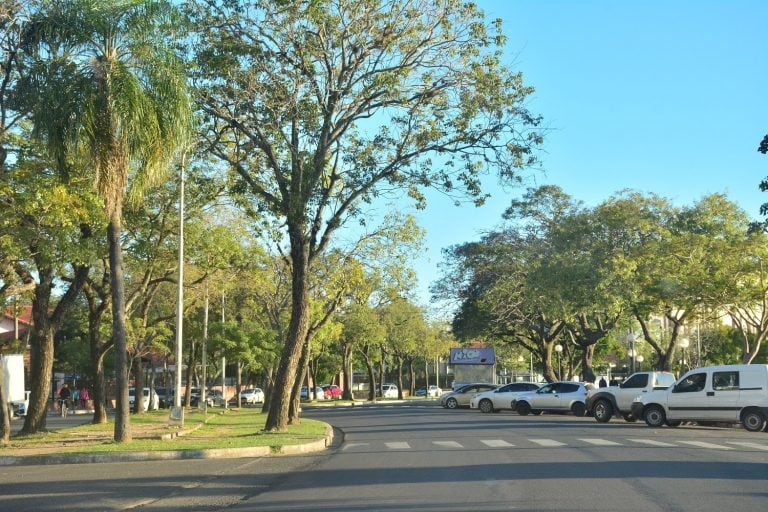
[
  {"x": 279, "y": 408},
  {"x": 399, "y": 378},
  {"x": 294, "y": 418},
  {"x": 346, "y": 373},
  {"x": 117, "y": 282},
  {"x": 371, "y": 376},
  {"x": 97, "y": 348},
  {"x": 588, "y": 373},
  {"x": 188, "y": 375},
  {"x": 99, "y": 390},
  {"x": 40, "y": 356},
  {"x": 268, "y": 388},
  {"x": 138, "y": 386}
]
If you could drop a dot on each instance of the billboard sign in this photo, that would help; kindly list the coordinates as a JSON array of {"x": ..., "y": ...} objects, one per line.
[{"x": 473, "y": 356}]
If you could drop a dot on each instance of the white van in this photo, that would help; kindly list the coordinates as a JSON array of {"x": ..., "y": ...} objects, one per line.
[{"x": 735, "y": 393}]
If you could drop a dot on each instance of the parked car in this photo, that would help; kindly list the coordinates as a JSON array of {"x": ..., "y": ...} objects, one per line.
[
  {"x": 554, "y": 397},
  {"x": 215, "y": 398},
  {"x": 252, "y": 396},
  {"x": 461, "y": 396},
  {"x": 388, "y": 391},
  {"x": 332, "y": 391},
  {"x": 429, "y": 391},
  {"x": 501, "y": 398},
  {"x": 318, "y": 393},
  {"x": 151, "y": 399},
  {"x": 735, "y": 393}
]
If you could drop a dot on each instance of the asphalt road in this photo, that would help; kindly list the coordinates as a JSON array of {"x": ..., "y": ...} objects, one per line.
[{"x": 409, "y": 457}]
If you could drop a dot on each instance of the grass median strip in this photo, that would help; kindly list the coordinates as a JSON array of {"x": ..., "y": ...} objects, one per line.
[{"x": 233, "y": 428}]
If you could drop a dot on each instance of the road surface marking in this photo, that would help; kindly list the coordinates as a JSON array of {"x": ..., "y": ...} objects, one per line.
[
  {"x": 749, "y": 445},
  {"x": 652, "y": 442},
  {"x": 550, "y": 443},
  {"x": 496, "y": 443},
  {"x": 398, "y": 446},
  {"x": 702, "y": 444},
  {"x": 354, "y": 445},
  {"x": 601, "y": 442},
  {"x": 447, "y": 444}
]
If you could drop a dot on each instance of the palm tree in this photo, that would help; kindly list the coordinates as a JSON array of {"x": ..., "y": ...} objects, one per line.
[{"x": 112, "y": 96}]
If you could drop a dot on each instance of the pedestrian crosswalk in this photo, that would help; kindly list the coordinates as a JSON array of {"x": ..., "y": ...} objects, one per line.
[{"x": 447, "y": 444}]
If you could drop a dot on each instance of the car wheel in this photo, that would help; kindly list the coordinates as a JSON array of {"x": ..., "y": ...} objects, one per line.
[
  {"x": 753, "y": 420},
  {"x": 523, "y": 408},
  {"x": 578, "y": 409},
  {"x": 603, "y": 411},
  {"x": 654, "y": 416},
  {"x": 451, "y": 403},
  {"x": 486, "y": 405}
]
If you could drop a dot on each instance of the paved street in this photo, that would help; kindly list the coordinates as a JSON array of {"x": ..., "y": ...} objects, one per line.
[{"x": 408, "y": 457}]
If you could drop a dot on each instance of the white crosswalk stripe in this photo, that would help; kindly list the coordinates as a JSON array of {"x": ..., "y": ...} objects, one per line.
[
  {"x": 749, "y": 445},
  {"x": 447, "y": 444},
  {"x": 549, "y": 443},
  {"x": 703, "y": 444},
  {"x": 354, "y": 445},
  {"x": 496, "y": 443},
  {"x": 652, "y": 442},
  {"x": 601, "y": 442},
  {"x": 398, "y": 446}
]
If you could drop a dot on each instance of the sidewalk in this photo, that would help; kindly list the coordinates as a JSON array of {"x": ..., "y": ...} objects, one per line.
[{"x": 50, "y": 452}]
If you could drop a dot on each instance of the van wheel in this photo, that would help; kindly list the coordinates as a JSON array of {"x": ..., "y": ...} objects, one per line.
[
  {"x": 603, "y": 411},
  {"x": 753, "y": 420},
  {"x": 654, "y": 416}
]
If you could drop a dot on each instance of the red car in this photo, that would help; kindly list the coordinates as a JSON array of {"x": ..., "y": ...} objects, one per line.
[{"x": 332, "y": 392}]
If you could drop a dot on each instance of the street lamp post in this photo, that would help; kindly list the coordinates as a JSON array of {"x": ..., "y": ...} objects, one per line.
[
  {"x": 640, "y": 360},
  {"x": 559, "y": 349}
]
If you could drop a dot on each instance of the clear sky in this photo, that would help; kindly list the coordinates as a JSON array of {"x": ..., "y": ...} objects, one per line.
[{"x": 658, "y": 96}]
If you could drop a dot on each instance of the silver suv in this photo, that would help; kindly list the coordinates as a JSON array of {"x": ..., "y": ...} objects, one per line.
[{"x": 554, "y": 397}]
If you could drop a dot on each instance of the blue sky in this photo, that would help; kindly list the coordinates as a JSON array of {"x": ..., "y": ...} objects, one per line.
[{"x": 656, "y": 96}]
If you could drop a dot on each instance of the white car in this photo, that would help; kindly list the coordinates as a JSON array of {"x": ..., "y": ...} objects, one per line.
[
  {"x": 252, "y": 396},
  {"x": 388, "y": 391},
  {"x": 155, "y": 399},
  {"x": 318, "y": 392},
  {"x": 554, "y": 397},
  {"x": 501, "y": 398}
]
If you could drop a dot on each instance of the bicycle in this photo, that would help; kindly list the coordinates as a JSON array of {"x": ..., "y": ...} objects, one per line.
[{"x": 64, "y": 407}]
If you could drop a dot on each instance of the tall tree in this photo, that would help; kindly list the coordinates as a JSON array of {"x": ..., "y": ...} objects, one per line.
[
  {"x": 321, "y": 106},
  {"x": 114, "y": 90}
]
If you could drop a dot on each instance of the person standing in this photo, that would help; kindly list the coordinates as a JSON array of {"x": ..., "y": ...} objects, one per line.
[{"x": 85, "y": 396}]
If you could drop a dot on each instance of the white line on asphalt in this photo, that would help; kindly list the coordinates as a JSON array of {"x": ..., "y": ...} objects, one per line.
[
  {"x": 749, "y": 445},
  {"x": 354, "y": 445},
  {"x": 547, "y": 442},
  {"x": 496, "y": 443},
  {"x": 651, "y": 442},
  {"x": 702, "y": 444},
  {"x": 398, "y": 446},
  {"x": 447, "y": 444},
  {"x": 601, "y": 442}
]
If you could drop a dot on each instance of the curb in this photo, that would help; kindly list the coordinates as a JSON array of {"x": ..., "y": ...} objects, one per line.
[{"x": 220, "y": 453}]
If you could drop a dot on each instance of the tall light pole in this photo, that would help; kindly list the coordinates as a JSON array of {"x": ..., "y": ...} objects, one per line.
[
  {"x": 559, "y": 349},
  {"x": 640, "y": 360},
  {"x": 180, "y": 293}
]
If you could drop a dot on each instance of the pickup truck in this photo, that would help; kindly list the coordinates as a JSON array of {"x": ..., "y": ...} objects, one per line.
[{"x": 604, "y": 403}]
